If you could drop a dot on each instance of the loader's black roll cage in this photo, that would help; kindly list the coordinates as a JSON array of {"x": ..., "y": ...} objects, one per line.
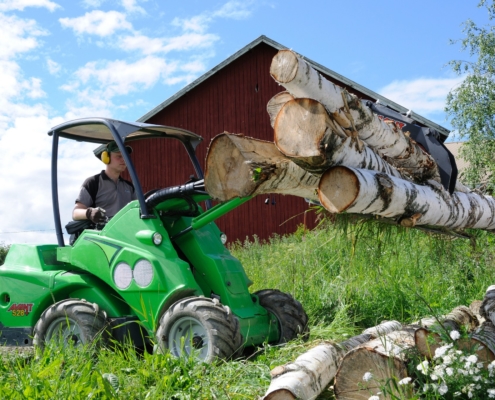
[{"x": 104, "y": 130}]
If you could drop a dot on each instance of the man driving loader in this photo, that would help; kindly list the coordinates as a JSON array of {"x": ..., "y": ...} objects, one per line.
[{"x": 104, "y": 194}]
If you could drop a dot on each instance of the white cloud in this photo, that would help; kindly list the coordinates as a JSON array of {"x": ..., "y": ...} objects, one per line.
[
  {"x": 98, "y": 23},
  {"x": 131, "y": 6},
  {"x": 92, "y": 3},
  {"x": 185, "y": 42},
  {"x": 122, "y": 77},
  {"x": 53, "y": 66},
  {"x": 234, "y": 9},
  {"x": 20, "y": 37},
  {"x": 20, "y": 5},
  {"x": 423, "y": 95}
]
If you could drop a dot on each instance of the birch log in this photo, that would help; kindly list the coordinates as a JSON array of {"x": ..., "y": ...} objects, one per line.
[
  {"x": 487, "y": 307},
  {"x": 427, "y": 338},
  {"x": 383, "y": 357},
  {"x": 369, "y": 192},
  {"x": 240, "y": 166},
  {"x": 276, "y": 103},
  {"x": 311, "y": 372},
  {"x": 303, "y": 81},
  {"x": 304, "y": 132}
]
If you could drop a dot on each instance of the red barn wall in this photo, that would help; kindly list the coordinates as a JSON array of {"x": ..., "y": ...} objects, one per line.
[{"x": 234, "y": 100}]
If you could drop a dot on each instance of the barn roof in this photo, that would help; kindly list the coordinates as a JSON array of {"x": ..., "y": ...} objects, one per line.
[{"x": 346, "y": 81}]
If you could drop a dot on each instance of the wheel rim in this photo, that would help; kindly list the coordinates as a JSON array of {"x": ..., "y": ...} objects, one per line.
[
  {"x": 188, "y": 337},
  {"x": 65, "y": 330}
]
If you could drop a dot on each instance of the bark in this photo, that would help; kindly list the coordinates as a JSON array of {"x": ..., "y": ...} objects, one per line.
[
  {"x": 305, "y": 133},
  {"x": 383, "y": 329},
  {"x": 428, "y": 337},
  {"x": 276, "y": 103},
  {"x": 487, "y": 307},
  {"x": 383, "y": 357},
  {"x": 475, "y": 308},
  {"x": 303, "y": 81},
  {"x": 370, "y": 192},
  {"x": 484, "y": 340},
  {"x": 240, "y": 166},
  {"x": 311, "y": 372}
]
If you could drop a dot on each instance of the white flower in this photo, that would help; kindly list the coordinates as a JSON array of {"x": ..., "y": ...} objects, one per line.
[
  {"x": 434, "y": 377},
  {"x": 443, "y": 389},
  {"x": 472, "y": 359},
  {"x": 423, "y": 367},
  {"x": 440, "y": 351},
  {"x": 374, "y": 398},
  {"x": 449, "y": 371},
  {"x": 367, "y": 376},
  {"x": 405, "y": 381},
  {"x": 491, "y": 393},
  {"x": 447, "y": 359},
  {"x": 454, "y": 335}
]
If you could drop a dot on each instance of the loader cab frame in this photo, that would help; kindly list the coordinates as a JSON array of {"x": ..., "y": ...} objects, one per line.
[{"x": 104, "y": 130}]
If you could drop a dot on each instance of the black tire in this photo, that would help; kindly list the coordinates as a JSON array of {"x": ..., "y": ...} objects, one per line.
[
  {"x": 199, "y": 327},
  {"x": 75, "y": 321},
  {"x": 292, "y": 319}
]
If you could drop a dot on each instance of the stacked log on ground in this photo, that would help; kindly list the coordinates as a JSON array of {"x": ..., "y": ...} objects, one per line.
[
  {"x": 312, "y": 372},
  {"x": 357, "y": 120},
  {"x": 383, "y": 352},
  {"x": 384, "y": 358}
]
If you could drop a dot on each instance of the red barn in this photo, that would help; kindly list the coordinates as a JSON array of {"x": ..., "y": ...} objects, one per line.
[{"x": 232, "y": 97}]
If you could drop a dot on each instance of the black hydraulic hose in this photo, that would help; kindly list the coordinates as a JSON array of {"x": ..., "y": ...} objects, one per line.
[{"x": 188, "y": 189}]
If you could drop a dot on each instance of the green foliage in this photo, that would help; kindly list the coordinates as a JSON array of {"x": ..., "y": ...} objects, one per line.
[
  {"x": 348, "y": 274},
  {"x": 471, "y": 105},
  {"x": 3, "y": 252}
]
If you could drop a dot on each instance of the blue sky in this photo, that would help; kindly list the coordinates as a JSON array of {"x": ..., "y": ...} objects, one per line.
[{"x": 61, "y": 60}]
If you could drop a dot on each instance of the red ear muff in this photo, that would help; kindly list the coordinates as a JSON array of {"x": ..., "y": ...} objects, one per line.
[{"x": 105, "y": 157}]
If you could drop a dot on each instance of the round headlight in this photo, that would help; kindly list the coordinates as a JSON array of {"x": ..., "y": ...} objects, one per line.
[
  {"x": 122, "y": 275},
  {"x": 143, "y": 273},
  {"x": 223, "y": 238},
  {"x": 157, "y": 238}
]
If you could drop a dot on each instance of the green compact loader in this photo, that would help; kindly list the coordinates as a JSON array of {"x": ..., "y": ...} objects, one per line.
[{"x": 157, "y": 274}]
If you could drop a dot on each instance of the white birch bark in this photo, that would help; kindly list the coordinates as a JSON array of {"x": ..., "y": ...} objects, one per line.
[
  {"x": 311, "y": 372},
  {"x": 369, "y": 192},
  {"x": 240, "y": 166},
  {"x": 305, "y": 133},
  {"x": 427, "y": 338},
  {"x": 487, "y": 308},
  {"x": 303, "y": 81}
]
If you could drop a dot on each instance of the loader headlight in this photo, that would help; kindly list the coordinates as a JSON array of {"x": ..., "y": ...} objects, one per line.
[
  {"x": 223, "y": 238},
  {"x": 157, "y": 238},
  {"x": 143, "y": 273},
  {"x": 122, "y": 275}
]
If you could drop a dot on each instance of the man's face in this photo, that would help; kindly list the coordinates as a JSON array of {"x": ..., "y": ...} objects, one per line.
[{"x": 117, "y": 162}]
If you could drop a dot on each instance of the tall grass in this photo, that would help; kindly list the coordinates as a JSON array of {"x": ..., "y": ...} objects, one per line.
[{"x": 348, "y": 276}]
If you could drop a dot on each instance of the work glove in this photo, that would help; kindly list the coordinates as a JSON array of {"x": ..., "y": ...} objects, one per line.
[{"x": 96, "y": 215}]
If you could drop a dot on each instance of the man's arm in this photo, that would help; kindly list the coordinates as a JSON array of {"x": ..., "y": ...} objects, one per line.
[{"x": 79, "y": 212}]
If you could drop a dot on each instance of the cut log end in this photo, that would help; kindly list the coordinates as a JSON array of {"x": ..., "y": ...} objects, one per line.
[
  {"x": 300, "y": 127},
  {"x": 281, "y": 394},
  {"x": 276, "y": 103},
  {"x": 227, "y": 175},
  {"x": 338, "y": 189},
  {"x": 284, "y": 66}
]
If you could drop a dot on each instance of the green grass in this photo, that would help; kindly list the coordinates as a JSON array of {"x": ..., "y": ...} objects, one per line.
[{"x": 347, "y": 276}]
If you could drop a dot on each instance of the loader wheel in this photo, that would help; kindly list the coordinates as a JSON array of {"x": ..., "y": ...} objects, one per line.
[
  {"x": 74, "y": 322},
  {"x": 292, "y": 319},
  {"x": 199, "y": 327}
]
